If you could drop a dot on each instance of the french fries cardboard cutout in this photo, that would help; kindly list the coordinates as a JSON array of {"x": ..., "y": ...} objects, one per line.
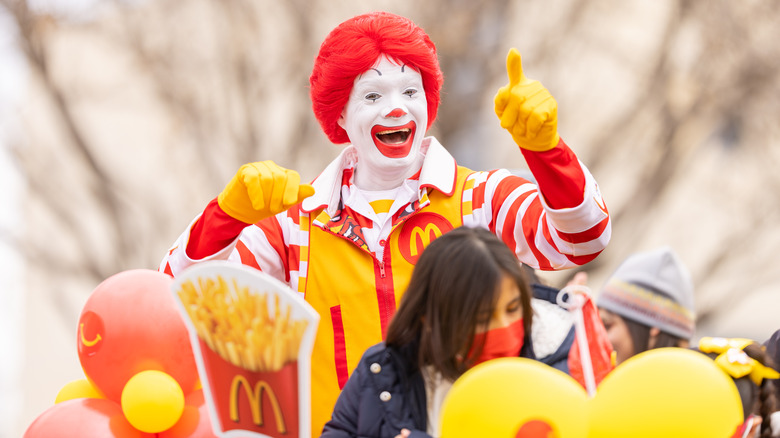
[{"x": 252, "y": 338}]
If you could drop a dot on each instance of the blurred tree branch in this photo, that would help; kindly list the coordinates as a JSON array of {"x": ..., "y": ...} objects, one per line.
[
  {"x": 215, "y": 84},
  {"x": 33, "y": 33}
]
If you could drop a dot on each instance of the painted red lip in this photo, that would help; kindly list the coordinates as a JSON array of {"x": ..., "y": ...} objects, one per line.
[{"x": 395, "y": 141}]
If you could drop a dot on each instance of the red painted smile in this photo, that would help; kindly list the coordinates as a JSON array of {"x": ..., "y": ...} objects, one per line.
[{"x": 394, "y": 142}]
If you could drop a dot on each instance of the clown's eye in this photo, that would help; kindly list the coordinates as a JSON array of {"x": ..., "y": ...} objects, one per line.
[
  {"x": 410, "y": 92},
  {"x": 373, "y": 97}
]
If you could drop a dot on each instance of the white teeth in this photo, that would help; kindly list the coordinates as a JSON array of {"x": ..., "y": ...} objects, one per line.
[{"x": 393, "y": 131}]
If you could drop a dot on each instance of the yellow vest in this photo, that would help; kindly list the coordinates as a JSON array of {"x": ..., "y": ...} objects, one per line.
[{"x": 356, "y": 294}]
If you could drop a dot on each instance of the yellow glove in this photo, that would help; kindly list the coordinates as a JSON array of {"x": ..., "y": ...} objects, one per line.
[
  {"x": 260, "y": 190},
  {"x": 526, "y": 109}
]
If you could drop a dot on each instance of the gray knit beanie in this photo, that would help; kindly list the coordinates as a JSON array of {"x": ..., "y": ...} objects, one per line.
[{"x": 652, "y": 288}]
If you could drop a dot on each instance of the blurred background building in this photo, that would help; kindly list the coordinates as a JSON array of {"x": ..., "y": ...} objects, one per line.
[{"x": 120, "y": 120}]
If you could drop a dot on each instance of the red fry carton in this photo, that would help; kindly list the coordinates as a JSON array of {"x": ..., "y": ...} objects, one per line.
[{"x": 252, "y": 338}]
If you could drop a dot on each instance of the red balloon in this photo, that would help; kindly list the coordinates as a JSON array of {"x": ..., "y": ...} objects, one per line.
[
  {"x": 83, "y": 418},
  {"x": 194, "y": 422},
  {"x": 131, "y": 323}
]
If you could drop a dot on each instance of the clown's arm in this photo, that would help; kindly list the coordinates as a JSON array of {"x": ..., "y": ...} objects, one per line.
[
  {"x": 258, "y": 191},
  {"x": 566, "y": 223}
]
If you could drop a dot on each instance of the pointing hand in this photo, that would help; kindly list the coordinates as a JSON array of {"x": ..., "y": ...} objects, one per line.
[{"x": 262, "y": 189}]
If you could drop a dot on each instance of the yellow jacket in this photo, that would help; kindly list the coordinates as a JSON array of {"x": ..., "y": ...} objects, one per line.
[{"x": 320, "y": 249}]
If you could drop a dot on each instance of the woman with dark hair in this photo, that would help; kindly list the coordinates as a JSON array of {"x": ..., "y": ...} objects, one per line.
[
  {"x": 468, "y": 301},
  {"x": 754, "y": 374}
]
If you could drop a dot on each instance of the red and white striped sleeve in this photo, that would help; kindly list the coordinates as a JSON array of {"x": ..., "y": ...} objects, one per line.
[
  {"x": 216, "y": 236},
  {"x": 569, "y": 235}
]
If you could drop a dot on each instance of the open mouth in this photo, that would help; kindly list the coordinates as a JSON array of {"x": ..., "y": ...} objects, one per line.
[
  {"x": 394, "y": 142},
  {"x": 393, "y": 136}
]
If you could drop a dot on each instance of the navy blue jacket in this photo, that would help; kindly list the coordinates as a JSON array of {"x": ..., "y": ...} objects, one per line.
[{"x": 385, "y": 393}]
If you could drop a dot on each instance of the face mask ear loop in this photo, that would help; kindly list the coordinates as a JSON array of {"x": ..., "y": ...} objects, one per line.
[{"x": 572, "y": 298}]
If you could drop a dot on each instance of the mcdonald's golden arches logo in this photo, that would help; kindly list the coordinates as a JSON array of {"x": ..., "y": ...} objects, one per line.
[
  {"x": 418, "y": 232},
  {"x": 91, "y": 332},
  {"x": 255, "y": 397}
]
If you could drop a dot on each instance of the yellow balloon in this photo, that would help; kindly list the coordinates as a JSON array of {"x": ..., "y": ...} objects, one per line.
[
  {"x": 80, "y": 388},
  {"x": 666, "y": 392},
  {"x": 152, "y": 401},
  {"x": 499, "y": 397}
]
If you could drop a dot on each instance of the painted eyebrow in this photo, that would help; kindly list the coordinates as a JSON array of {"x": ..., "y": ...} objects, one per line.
[{"x": 403, "y": 67}]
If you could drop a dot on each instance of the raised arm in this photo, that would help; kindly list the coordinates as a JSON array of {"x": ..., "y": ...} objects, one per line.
[{"x": 565, "y": 222}]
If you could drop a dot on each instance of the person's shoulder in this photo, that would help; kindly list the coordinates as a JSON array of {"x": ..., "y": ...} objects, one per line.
[
  {"x": 552, "y": 328},
  {"x": 374, "y": 353}
]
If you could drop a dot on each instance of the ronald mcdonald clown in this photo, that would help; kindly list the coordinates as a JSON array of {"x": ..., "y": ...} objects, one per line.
[{"x": 349, "y": 240}]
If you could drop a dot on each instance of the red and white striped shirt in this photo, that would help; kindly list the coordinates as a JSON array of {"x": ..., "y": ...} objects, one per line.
[{"x": 352, "y": 264}]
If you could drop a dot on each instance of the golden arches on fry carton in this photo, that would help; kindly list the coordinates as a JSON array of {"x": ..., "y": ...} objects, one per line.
[{"x": 252, "y": 338}]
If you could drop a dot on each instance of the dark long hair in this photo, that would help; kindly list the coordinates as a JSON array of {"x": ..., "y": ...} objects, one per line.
[
  {"x": 757, "y": 399},
  {"x": 456, "y": 278}
]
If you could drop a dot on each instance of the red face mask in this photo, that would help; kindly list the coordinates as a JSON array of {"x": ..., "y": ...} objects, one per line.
[{"x": 500, "y": 342}]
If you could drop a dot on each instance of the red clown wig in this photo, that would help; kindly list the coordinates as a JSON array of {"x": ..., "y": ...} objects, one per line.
[{"x": 353, "y": 47}]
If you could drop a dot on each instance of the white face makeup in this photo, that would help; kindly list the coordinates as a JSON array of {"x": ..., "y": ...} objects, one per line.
[{"x": 385, "y": 119}]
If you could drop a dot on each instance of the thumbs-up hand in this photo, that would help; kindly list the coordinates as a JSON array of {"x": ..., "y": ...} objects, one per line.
[
  {"x": 260, "y": 190},
  {"x": 526, "y": 109}
]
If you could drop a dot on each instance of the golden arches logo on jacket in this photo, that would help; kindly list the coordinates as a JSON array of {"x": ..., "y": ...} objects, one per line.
[
  {"x": 418, "y": 232},
  {"x": 252, "y": 338}
]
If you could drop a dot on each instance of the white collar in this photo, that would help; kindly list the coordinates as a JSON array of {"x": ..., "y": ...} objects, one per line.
[{"x": 438, "y": 171}]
